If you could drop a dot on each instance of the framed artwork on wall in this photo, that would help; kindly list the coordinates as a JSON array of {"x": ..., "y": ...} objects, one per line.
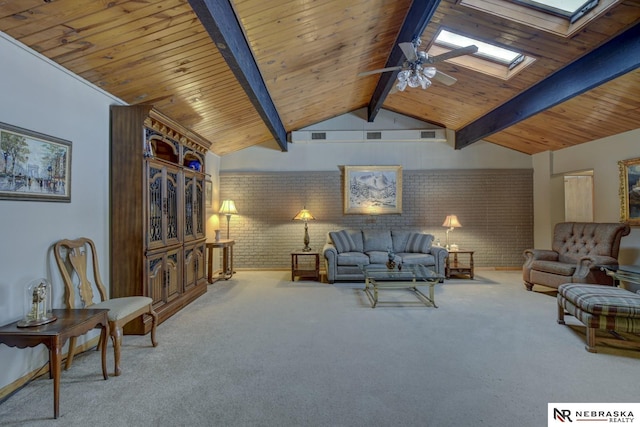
[
  {"x": 373, "y": 190},
  {"x": 208, "y": 193},
  {"x": 34, "y": 166},
  {"x": 630, "y": 191}
]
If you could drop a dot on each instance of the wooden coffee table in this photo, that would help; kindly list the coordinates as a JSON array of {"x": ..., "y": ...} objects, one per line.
[{"x": 70, "y": 323}]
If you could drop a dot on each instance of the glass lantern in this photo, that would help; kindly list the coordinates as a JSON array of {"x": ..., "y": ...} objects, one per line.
[{"x": 37, "y": 304}]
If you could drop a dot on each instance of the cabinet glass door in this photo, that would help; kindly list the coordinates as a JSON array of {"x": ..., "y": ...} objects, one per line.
[
  {"x": 193, "y": 206},
  {"x": 189, "y": 206},
  {"x": 198, "y": 211},
  {"x": 163, "y": 218}
]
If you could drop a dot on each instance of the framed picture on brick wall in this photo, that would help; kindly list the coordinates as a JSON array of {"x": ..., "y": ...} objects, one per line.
[
  {"x": 373, "y": 190},
  {"x": 630, "y": 191}
]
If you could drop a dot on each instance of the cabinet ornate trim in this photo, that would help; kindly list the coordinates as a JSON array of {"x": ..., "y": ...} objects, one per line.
[{"x": 157, "y": 215}]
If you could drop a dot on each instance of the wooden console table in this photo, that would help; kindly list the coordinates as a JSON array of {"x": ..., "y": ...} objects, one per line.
[
  {"x": 69, "y": 323},
  {"x": 227, "y": 259},
  {"x": 453, "y": 266}
]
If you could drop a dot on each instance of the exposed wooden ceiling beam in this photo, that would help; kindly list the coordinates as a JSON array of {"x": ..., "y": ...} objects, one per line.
[
  {"x": 613, "y": 59},
  {"x": 220, "y": 21},
  {"x": 417, "y": 19}
]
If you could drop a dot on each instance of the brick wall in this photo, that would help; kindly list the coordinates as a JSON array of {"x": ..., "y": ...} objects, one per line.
[{"x": 494, "y": 206}]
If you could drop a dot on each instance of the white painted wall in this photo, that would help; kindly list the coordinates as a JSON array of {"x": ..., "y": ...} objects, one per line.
[
  {"x": 602, "y": 156},
  {"x": 319, "y": 156},
  {"x": 324, "y": 156},
  {"x": 42, "y": 97},
  {"x": 212, "y": 162}
]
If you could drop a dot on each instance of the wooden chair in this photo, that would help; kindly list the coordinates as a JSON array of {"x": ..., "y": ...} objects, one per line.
[{"x": 72, "y": 259}]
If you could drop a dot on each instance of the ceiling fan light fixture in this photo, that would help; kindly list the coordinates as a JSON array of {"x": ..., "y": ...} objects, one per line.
[
  {"x": 413, "y": 73},
  {"x": 429, "y": 72},
  {"x": 424, "y": 82}
]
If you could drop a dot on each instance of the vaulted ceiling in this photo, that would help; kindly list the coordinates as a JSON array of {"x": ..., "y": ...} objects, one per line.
[{"x": 247, "y": 72}]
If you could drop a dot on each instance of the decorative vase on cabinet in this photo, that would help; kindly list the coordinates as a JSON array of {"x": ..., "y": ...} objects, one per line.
[{"x": 157, "y": 227}]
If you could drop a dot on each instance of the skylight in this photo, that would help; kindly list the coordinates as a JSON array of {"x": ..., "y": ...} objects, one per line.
[
  {"x": 561, "y": 17},
  {"x": 571, "y": 10},
  {"x": 506, "y": 57}
]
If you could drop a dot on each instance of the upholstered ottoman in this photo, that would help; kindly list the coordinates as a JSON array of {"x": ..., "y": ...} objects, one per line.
[{"x": 601, "y": 307}]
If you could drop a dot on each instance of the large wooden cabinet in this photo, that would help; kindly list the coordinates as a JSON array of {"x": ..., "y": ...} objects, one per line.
[{"x": 157, "y": 230}]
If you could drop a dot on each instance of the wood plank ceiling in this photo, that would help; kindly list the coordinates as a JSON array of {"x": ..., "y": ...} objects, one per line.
[{"x": 309, "y": 53}]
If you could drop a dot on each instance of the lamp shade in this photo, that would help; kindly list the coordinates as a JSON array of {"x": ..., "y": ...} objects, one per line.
[
  {"x": 304, "y": 215},
  {"x": 228, "y": 208},
  {"x": 451, "y": 221}
]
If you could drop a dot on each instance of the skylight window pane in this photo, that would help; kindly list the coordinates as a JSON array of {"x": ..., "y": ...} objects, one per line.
[
  {"x": 566, "y": 6},
  {"x": 569, "y": 9},
  {"x": 485, "y": 50}
]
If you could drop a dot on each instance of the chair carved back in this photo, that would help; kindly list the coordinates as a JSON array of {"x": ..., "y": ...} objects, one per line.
[{"x": 72, "y": 257}]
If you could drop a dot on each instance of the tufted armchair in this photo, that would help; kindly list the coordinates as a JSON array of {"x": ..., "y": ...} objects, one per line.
[{"x": 578, "y": 249}]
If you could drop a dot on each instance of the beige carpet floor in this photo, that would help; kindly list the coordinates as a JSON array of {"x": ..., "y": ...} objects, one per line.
[{"x": 260, "y": 350}]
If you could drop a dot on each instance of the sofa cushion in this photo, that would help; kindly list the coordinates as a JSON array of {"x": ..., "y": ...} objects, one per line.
[
  {"x": 357, "y": 239},
  {"x": 554, "y": 267},
  {"x": 419, "y": 242},
  {"x": 400, "y": 238},
  {"x": 342, "y": 241},
  {"x": 380, "y": 257},
  {"x": 414, "y": 258},
  {"x": 377, "y": 240},
  {"x": 352, "y": 258}
]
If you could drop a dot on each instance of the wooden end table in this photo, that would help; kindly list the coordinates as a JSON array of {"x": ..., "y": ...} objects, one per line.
[
  {"x": 455, "y": 267},
  {"x": 304, "y": 269},
  {"x": 69, "y": 323},
  {"x": 227, "y": 259}
]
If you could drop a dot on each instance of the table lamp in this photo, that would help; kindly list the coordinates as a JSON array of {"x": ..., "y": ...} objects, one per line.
[
  {"x": 305, "y": 215},
  {"x": 451, "y": 222},
  {"x": 228, "y": 208}
]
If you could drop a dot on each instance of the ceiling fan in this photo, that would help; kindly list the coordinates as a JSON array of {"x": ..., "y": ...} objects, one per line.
[{"x": 417, "y": 70}]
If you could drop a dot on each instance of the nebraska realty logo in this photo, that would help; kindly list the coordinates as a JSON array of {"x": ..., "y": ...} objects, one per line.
[{"x": 593, "y": 413}]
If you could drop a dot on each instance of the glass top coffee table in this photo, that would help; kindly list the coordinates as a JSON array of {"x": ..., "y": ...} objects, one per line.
[
  {"x": 409, "y": 277},
  {"x": 625, "y": 273}
]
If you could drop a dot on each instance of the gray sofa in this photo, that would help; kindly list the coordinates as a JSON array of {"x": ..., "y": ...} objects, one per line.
[{"x": 346, "y": 250}]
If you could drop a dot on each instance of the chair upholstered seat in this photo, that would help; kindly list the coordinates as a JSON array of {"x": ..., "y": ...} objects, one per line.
[
  {"x": 554, "y": 267},
  {"x": 119, "y": 308}
]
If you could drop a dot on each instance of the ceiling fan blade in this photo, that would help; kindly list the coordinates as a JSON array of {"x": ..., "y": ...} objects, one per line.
[
  {"x": 409, "y": 51},
  {"x": 444, "y": 78},
  {"x": 453, "y": 54},
  {"x": 381, "y": 70}
]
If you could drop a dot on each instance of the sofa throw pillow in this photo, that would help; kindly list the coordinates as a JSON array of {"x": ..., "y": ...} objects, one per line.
[
  {"x": 419, "y": 242},
  {"x": 342, "y": 241},
  {"x": 377, "y": 240}
]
